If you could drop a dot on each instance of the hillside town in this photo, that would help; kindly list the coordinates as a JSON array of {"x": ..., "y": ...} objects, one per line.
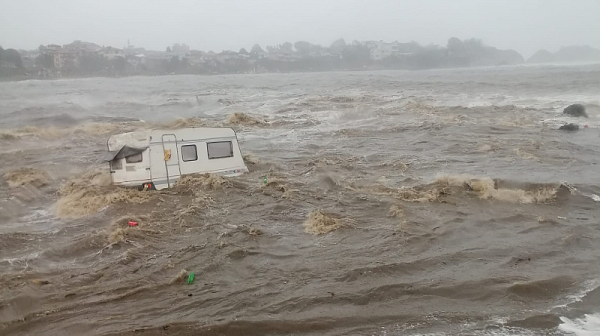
[{"x": 81, "y": 59}]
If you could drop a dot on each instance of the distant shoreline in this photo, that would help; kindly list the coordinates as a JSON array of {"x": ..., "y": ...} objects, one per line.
[
  {"x": 81, "y": 59},
  {"x": 374, "y": 69}
]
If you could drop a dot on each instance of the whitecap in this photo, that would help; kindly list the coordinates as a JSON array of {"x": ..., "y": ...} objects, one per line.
[{"x": 589, "y": 325}]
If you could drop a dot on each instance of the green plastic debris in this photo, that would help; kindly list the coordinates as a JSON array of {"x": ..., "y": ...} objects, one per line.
[
  {"x": 190, "y": 278},
  {"x": 265, "y": 179}
]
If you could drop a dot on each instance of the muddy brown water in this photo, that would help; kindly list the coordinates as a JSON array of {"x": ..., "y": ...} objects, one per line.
[{"x": 397, "y": 203}]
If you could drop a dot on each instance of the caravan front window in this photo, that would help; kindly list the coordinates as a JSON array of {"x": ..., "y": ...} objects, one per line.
[
  {"x": 219, "y": 150},
  {"x": 134, "y": 158},
  {"x": 116, "y": 164}
]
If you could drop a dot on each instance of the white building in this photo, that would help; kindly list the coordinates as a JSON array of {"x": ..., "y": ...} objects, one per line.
[
  {"x": 111, "y": 53},
  {"x": 380, "y": 50}
]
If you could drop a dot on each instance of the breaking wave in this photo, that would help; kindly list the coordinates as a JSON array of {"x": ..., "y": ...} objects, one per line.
[
  {"x": 486, "y": 188},
  {"x": 104, "y": 128},
  {"x": 31, "y": 176},
  {"x": 47, "y": 133},
  {"x": 589, "y": 325},
  {"x": 543, "y": 289},
  {"x": 251, "y": 159},
  {"x": 410, "y": 194},
  {"x": 239, "y": 118},
  {"x": 8, "y": 135},
  {"x": 54, "y": 133},
  {"x": 277, "y": 186},
  {"x": 186, "y": 122},
  {"x": 320, "y": 222},
  {"x": 93, "y": 191},
  {"x": 395, "y": 211},
  {"x": 120, "y": 230},
  {"x": 209, "y": 181}
]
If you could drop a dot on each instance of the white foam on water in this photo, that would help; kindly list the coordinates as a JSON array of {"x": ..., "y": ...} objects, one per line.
[
  {"x": 587, "y": 286},
  {"x": 509, "y": 332},
  {"x": 575, "y": 191},
  {"x": 496, "y": 332},
  {"x": 589, "y": 325},
  {"x": 556, "y": 102}
]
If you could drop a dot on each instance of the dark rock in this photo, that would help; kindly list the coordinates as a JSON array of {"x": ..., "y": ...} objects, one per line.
[
  {"x": 575, "y": 110},
  {"x": 569, "y": 127}
]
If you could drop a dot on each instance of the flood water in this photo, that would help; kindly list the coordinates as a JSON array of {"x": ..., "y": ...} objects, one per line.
[{"x": 440, "y": 202}]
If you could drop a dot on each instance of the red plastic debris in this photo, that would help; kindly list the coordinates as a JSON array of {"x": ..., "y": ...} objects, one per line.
[
  {"x": 586, "y": 126},
  {"x": 132, "y": 223}
]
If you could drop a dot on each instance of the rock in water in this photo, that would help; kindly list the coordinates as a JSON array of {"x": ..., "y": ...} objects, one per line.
[
  {"x": 575, "y": 110},
  {"x": 569, "y": 127}
]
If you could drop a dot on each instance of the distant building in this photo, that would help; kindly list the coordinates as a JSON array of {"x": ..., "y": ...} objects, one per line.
[
  {"x": 180, "y": 49},
  {"x": 28, "y": 62},
  {"x": 199, "y": 58},
  {"x": 29, "y": 53},
  {"x": 155, "y": 61},
  {"x": 59, "y": 57},
  {"x": 111, "y": 53},
  {"x": 283, "y": 56},
  {"x": 131, "y": 50},
  {"x": 68, "y": 55},
  {"x": 228, "y": 57},
  {"x": 196, "y": 61},
  {"x": 82, "y": 47},
  {"x": 66, "y": 59},
  {"x": 319, "y": 53},
  {"x": 135, "y": 60},
  {"x": 380, "y": 50}
]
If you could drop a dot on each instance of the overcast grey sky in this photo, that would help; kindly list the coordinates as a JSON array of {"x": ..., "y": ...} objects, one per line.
[{"x": 525, "y": 25}]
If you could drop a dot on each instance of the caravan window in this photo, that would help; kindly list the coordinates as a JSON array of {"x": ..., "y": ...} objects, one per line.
[
  {"x": 116, "y": 164},
  {"x": 189, "y": 153},
  {"x": 219, "y": 150},
  {"x": 134, "y": 158}
]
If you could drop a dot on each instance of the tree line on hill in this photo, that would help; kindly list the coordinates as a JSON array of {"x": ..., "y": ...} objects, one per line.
[{"x": 288, "y": 57}]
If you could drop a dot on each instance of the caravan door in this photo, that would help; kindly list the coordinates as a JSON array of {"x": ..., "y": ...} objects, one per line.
[{"x": 171, "y": 159}]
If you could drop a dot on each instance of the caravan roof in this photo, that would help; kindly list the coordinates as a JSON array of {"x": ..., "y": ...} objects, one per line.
[{"x": 142, "y": 139}]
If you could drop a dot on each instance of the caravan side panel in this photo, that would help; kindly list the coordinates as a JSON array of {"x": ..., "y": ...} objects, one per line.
[
  {"x": 198, "y": 150},
  {"x": 216, "y": 156},
  {"x": 158, "y": 169}
]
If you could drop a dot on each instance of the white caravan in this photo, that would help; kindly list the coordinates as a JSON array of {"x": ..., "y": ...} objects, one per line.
[{"x": 155, "y": 159}]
